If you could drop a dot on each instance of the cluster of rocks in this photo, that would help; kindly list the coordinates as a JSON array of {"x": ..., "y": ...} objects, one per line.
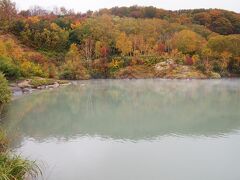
[
  {"x": 50, "y": 86},
  {"x": 170, "y": 70},
  {"x": 24, "y": 87},
  {"x": 167, "y": 69},
  {"x": 162, "y": 68}
]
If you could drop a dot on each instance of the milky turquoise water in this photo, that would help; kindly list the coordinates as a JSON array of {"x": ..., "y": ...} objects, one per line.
[{"x": 130, "y": 130}]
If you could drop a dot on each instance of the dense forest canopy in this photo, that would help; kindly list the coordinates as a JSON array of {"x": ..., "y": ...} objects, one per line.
[{"x": 61, "y": 43}]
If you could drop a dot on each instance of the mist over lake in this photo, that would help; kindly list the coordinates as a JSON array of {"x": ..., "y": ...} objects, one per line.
[{"x": 130, "y": 129}]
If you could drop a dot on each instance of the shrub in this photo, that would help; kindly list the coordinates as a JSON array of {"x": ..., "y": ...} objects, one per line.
[
  {"x": 188, "y": 61},
  {"x": 3, "y": 141},
  {"x": 177, "y": 56},
  {"x": 5, "y": 93},
  {"x": 30, "y": 69},
  {"x": 235, "y": 65},
  {"x": 151, "y": 60},
  {"x": 99, "y": 68},
  {"x": 201, "y": 66},
  {"x": 126, "y": 60},
  {"x": 74, "y": 71},
  {"x": 115, "y": 65},
  {"x": 67, "y": 74},
  {"x": 10, "y": 70}
]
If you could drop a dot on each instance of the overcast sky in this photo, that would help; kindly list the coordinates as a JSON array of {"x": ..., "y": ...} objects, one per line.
[{"x": 84, "y": 5}]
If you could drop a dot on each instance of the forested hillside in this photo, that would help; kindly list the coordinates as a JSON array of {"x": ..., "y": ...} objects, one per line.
[{"x": 117, "y": 43}]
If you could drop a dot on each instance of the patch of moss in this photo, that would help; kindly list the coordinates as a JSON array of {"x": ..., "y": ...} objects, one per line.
[
  {"x": 36, "y": 82},
  {"x": 62, "y": 81}
]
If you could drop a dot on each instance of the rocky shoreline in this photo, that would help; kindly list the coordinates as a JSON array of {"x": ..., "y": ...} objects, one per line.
[
  {"x": 166, "y": 70},
  {"x": 27, "y": 86}
]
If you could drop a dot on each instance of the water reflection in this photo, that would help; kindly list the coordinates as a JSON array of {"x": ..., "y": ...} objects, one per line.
[
  {"x": 133, "y": 110},
  {"x": 138, "y": 129}
]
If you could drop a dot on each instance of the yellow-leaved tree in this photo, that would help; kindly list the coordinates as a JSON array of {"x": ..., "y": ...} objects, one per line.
[
  {"x": 124, "y": 44},
  {"x": 74, "y": 68},
  {"x": 188, "y": 42}
]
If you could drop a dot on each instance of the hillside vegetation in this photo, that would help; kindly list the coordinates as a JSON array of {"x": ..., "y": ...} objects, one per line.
[{"x": 121, "y": 42}]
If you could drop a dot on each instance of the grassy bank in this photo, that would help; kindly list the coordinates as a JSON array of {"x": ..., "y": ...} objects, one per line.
[
  {"x": 5, "y": 93},
  {"x": 14, "y": 167}
]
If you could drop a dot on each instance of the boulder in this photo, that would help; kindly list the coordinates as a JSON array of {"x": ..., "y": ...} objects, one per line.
[
  {"x": 170, "y": 70},
  {"x": 162, "y": 68},
  {"x": 55, "y": 85},
  {"x": 24, "y": 84}
]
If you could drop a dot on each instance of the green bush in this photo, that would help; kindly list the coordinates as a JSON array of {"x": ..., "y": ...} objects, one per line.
[
  {"x": 74, "y": 70},
  {"x": 29, "y": 69},
  {"x": 201, "y": 66},
  {"x": 67, "y": 74},
  {"x": 125, "y": 59},
  {"x": 10, "y": 70},
  {"x": 3, "y": 142},
  {"x": 115, "y": 65},
  {"x": 151, "y": 60},
  {"x": 235, "y": 66},
  {"x": 5, "y": 93}
]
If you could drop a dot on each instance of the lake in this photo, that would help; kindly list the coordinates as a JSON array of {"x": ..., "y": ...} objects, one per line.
[{"x": 130, "y": 130}]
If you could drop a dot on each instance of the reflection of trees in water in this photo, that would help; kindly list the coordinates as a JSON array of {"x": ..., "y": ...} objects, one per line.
[{"x": 128, "y": 109}]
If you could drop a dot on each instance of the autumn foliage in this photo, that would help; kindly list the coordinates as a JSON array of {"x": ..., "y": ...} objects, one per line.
[{"x": 68, "y": 45}]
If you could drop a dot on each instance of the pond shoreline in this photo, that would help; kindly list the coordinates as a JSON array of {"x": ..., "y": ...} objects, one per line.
[{"x": 23, "y": 87}]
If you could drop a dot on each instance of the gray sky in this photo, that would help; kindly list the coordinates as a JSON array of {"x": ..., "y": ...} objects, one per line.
[{"x": 84, "y": 5}]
